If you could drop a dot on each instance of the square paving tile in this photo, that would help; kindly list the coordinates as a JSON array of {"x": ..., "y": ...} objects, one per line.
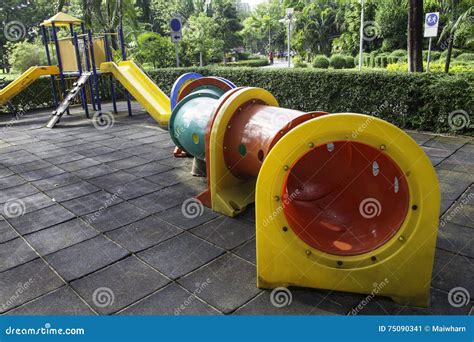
[
  {"x": 175, "y": 216},
  {"x": 31, "y": 166},
  {"x": 65, "y": 158},
  {"x": 4, "y": 172},
  {"x": 226, "y": 232},
  {"x": 453, "y": 191},
  {"x": 91, "y": 203},
  {"x": 56, "y": 181},
  {"x": 127, "y": 163},
  {"x": 456, "y": 239},
  {"x": 61, "y": 302},
  {"x": 10, "y": 181},
  {"x": 452, "y": 270},
  {"x": 163, "y": 199},
  {"x": 171, "y": 300},
  {"x": 231, "y": 282},
  {"x": 180, "y": 255},
  {"x": 148, "y": 169},
  {"x": 461, "y": 214},
  {"x": 113, "y": 179},
  {"x": 247, "y": 251},
  {"x": 128, "y": 281},
  {"x": 135, "y": 188},
  {"x": 72, "y": 191},
  {"x": 40, "y": 219},
  {"x": 112, "y": 156},
  {"x": 86, "y": 257},
  {"x": 16, "y": 192},
  {"x": 143, "y": 234},
  {"x": 60, "y": 236},
  {"x": 96, "y": 150},
  {"x": 36, "y": 201},
  {"x": 79, "y": 164},
  {"x": 115, "y": 216},
  {"x": 42, "y": 173},
  {"x": 170, "y": 177},
  {"x": 33, "y": 279},
  {"x": 6, "y": 231},
  {"x": 94, "y": 171},
  {"x": 14, "y": 253}
]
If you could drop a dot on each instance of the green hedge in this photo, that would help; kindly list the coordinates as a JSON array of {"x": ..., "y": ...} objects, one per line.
[
  {"x": 413, "y": 101},
  {"x": 248, "y": 63}
]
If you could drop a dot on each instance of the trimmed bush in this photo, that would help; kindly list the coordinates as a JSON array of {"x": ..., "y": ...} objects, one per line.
[
  {"x": 409, "y": 100},
  {"x": 466, "y": 57},
  {"x": 399, "y": 53},
  {"x": 321, "y": 62},
  {"x": 454, "y": 53},
  {"x": 298, "y": 62},
  {"x": 337, "y": 62},
  {"x": 350, "y": 62},
  {"x": 435, "y": 55}
]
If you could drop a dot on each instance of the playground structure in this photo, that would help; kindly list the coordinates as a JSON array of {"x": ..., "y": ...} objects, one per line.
[
  {"x": 344, "y": 202},
  {"x": 84, "y": 57}
]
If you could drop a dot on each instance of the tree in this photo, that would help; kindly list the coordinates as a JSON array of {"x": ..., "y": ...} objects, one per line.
[
  {"x": 317, "y": 27},
  {"x": 155, "y": 49},
  {"x": 455, "y": 20},
  {"x": 262, "y": 30},
  {"x": 225, "y": 15},
  {"x": 415, "y": 36},
  {"x": 391, "y": 17},
  {"x": 201, "y": 36}
]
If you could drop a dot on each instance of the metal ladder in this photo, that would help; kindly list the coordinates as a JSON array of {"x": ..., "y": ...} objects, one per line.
[{"x": 64, "y": 105}]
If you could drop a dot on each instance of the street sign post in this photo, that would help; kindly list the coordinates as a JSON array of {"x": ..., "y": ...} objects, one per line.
[
  {"x": 289, "y": 16},
  {"x": 431, "y": 30},
  {"x": 176, "y": 35}
]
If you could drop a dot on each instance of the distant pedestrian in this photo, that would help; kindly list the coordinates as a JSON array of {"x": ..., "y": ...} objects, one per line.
[{"x": 270, "y": 57}]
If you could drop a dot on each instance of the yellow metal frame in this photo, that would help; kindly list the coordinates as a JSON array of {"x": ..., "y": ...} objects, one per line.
[
  {"x": 404, "y": 264},
  {"x": 229, "y": 194}
]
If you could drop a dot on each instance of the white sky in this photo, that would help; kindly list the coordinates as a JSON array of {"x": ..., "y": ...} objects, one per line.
[{"x": 253, "y": 3}]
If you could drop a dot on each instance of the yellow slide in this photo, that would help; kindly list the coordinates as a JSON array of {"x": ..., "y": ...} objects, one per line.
[
  {"x": 142, "y": 88},
  {"x": 25, "y": 79}
]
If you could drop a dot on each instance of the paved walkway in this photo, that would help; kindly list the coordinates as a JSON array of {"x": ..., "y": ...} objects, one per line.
[{"x": 92, "y": 224}]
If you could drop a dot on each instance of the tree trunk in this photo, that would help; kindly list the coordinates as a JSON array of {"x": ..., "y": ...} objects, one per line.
[
  {"x": 415, "y": 36},
  {"x": 449, "y": 53},
  {"x": 200, "y": 59}
]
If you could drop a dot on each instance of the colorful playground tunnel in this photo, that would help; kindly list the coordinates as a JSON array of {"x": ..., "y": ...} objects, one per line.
[
  {"x": 340, "y": 198},
  {"x": 344, "y": 202}
]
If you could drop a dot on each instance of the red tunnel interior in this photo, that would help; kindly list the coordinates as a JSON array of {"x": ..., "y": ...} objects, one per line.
[{"x": 345, "y": 198}]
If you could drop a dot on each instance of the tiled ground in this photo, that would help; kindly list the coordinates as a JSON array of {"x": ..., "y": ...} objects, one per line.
[{"x": 102, "y": 209}]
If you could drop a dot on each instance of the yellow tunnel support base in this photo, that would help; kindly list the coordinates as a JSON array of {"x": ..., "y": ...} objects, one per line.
[
  {"x": 403, "y": 265},
  {"x": 229, "y": 194}
]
